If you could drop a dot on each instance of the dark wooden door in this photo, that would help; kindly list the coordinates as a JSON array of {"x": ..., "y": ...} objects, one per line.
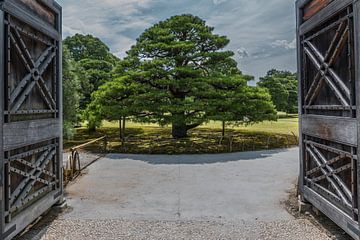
[
  {"x": 31, "y": 151},
  {"x": 329, "y": 109}
]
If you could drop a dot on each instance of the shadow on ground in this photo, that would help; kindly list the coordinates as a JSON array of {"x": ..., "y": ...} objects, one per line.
[
  {"x": 317, "y": 218},
  {"x": 39, "y": 228},
  {"x": 197, "y": 159}
]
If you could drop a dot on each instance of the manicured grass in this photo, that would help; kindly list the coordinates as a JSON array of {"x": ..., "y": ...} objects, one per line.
[
  {"x": 153, "y": 139},
  {"x": 282, "y": 126}
]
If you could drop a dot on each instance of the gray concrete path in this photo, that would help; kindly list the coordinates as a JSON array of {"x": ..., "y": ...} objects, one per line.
[
  {"x": 239, "y": 186},
  {"x": 225, "y": 196}
]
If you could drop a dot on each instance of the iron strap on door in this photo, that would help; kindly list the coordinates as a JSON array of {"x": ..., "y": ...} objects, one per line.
[{"x": 31, "y": 111}]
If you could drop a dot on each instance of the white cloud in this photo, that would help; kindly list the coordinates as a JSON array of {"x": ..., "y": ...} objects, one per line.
[
  {"x": 109, "y": 20},
  {"x": 263, "y": 29},
  {"x": 69, "y": 31},
  {"x": 285, "y": 44},
  {"x": 242, "y": 53},
  {"x": 217, "y": 2}
]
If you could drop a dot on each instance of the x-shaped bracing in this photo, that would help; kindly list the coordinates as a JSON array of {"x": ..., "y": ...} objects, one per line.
[
  {"x": 38, "y": 168},
  {"x": 329, "y": 173},
  {"x": 324, "y": 65},
  {"x": 34, "y": 76}
]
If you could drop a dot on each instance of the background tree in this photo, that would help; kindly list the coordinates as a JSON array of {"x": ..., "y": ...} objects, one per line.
[
  {"x": 88, "y": 47},
  {"x": 179, "y": 74},
  {"x": 71, "y": 96},
  {"x": 282, "y": 86},
  {"x": 95, "y": 64},
  {"x": 235, "y": 103},
  {"x": 114, "y": 101},
  {"x": 94, "y": 73}
]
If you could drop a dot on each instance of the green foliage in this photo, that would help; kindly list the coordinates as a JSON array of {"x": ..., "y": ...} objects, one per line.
[
  {"x": 71, "y": 94},
  {"x": 95, "y": 66},
  {"x": 283, "y": 86},
  {"x": 235, "y": 102},
  {"x": 178, "y": 73},
  {"x": 115, "y": 99},
  {"x": 93, "y": 73},
  {"x": 88, "y": 47}
]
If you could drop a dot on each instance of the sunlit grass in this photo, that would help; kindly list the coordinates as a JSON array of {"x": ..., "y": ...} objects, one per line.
[
  {"x": 152, "y": 139},
  {"x": 281, "y": 126}
]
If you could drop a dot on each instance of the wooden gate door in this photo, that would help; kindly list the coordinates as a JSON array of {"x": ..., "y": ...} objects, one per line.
[
  {"x": 328, "y": 57},
  {"x": 30, "y": 111}
]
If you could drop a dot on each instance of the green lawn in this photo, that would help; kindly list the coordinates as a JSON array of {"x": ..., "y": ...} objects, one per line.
[
  {"x": 282, "y": 126},
  {"x": 150, "y": 138}
]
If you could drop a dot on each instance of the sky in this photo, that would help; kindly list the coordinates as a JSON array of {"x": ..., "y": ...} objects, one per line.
[{"x": 261, "y": 32}]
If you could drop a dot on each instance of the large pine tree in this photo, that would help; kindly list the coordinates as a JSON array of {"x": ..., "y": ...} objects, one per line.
[{"x": 178, "y": 73}]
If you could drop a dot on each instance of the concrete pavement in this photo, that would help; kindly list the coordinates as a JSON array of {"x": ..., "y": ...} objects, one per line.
[{"x": 238, "y": 186}]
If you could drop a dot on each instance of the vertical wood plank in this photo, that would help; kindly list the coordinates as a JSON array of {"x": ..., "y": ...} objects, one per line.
[
  {"x": 357, "y": 85},
  {"x": 2, "y": 98},
  {"x": 299, "y": 14},
  {"x": 60, "y": 101}
]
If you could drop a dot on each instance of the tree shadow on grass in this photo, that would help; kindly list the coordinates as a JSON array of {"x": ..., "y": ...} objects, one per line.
[{"x": 198, "y": 159}]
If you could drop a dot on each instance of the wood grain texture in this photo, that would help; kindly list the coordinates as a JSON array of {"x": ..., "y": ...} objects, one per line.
[
  {"x": 21, "y": 134},
  {"x": 328, "y": 128},
  {"x": 41, "y": 10},
  {"x": 314, "y": 7}
]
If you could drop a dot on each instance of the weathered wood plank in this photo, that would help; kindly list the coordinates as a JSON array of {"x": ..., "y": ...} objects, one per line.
[
  {"x": 314, "y": 7},
  {"x": 2, "y": 98},
  {"x": 357, "y": 87},
  {"x": 20, "y": 134},
  {"x": 337, "y": 129},
  {"x": 33, "y": 20},
  {"x": 323, "y": 15},
  {"x": 39, "y": 9}
]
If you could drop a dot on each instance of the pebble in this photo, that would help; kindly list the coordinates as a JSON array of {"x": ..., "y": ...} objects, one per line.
[{"x": 296, "y": 229}]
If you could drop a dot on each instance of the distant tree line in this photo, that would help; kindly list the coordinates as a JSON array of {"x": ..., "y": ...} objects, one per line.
[
  {"x": 87, "y": 64},
  {"x": 177, "y": 74},
  {"x": 283, "y": 88}
]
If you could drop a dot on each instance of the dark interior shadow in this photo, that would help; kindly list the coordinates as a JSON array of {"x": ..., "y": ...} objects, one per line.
[
  {"x": 197, "y": 159},
  {"x": 315, "y": 217}
]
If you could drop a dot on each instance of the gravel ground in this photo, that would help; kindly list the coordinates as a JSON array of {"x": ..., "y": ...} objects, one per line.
[
  {"x": 140, "y": 197},
  {"x": 172, "y": 230}
]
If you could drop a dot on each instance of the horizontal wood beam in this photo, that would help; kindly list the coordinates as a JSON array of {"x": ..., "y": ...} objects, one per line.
[
  {"x": 31, "y": 19},
  {"x": 323, "y": 15},
  {"x": 328, "y": 128},
  {"x": 20, "y": 134}
]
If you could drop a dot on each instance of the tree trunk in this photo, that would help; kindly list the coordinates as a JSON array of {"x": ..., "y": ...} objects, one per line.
[
  {"x": 92, "y": 127},
  {"x": 124, "y": 129},
  {"x": 120, "y": 129},
  {"x": 122, "y": 125},
  {"x": 223, "y": 128},
  {"x": 179, "y": 130}
]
